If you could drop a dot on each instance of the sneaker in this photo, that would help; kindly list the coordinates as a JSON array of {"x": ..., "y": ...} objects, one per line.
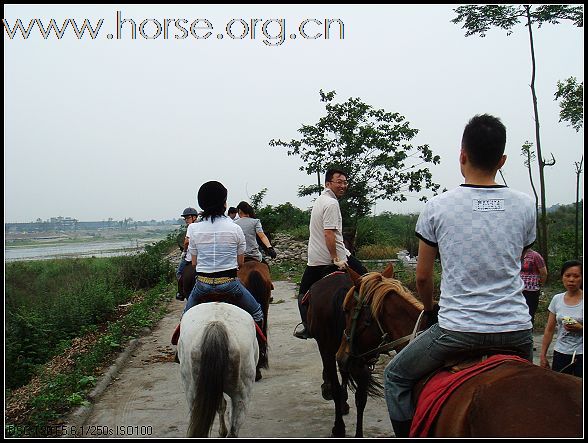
[{"x": 179, "y": 297}]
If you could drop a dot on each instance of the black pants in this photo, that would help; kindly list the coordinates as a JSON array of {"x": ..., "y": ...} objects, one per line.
[
  {"x": 312, "y": 274},
  {"x": 564, "y": 361},
  {"x": 532, "y": 299}
]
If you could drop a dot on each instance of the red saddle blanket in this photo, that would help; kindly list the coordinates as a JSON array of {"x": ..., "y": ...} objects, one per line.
[{"x": 440, "y": 387}]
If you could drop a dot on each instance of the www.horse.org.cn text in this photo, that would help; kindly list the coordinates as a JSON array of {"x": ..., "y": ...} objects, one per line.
[{"x": 272, "y": 32}]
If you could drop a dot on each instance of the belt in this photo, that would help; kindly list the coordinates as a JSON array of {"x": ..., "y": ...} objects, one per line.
[{"x": 215, "y": 280}]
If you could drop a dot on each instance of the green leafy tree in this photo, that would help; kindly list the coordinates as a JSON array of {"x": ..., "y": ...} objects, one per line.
[
  {"x": 372, "y": 146},
  {"x": 478, "y": 19},
  {"x": 571, "y": 94},
  {"x": 572, "y": 110}
]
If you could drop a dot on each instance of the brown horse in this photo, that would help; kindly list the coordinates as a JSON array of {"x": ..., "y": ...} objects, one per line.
[
  {"x": 326, "y": 322},
  {"x": 512, "y": 399},
  {"x": 256, "y": 277},
  {"x": 186, "y": 281}
]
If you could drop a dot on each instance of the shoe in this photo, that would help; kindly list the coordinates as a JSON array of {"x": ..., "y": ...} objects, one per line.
[
  {"x": 303, "y": 334},
  {"x": 176, "y": 335},
  {"x": 179, "y": 297},
  {"x": 401, "y": 428}
]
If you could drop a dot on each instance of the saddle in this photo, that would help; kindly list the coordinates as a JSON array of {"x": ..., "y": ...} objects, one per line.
[
  {"x": 222, "y": 297},
  {"x": 306, "y": 297}
]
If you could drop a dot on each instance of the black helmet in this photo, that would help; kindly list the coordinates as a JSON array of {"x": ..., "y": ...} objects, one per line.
[{"x": 189, "y": 211}]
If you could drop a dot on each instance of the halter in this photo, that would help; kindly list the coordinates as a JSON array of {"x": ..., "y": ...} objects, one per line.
[{"x": 385, "y": 343}]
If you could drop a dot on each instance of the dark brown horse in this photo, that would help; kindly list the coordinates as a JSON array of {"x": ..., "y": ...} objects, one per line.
[
  {"x": 326, "y": 322},
  {"x": 256, "y": 277},
  {"x": 513, "y": 399},
  {"x": 186, "y": 281}
]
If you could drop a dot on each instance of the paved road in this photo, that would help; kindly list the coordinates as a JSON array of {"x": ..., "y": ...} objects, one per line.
[
  {"x": 287, "y": 402},
  {"x": 146, "y": 397}
]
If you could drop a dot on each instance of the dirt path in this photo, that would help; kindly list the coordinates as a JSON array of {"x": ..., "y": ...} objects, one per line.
[{"x": 287, "y": 402}]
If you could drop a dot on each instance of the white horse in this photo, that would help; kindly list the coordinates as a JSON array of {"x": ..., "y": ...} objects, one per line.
[{"x": 218, "y": 353}]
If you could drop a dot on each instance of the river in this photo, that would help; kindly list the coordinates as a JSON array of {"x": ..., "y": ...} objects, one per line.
[{"x": 72, "y": 250}]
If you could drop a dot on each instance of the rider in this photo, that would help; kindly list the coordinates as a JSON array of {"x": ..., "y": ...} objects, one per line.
[
  {"x": 252, "y": 228},
  {"x": 326, "y": 249},
  {"x": 190, "y": 215},
  {"x": 217, "y": 246},
  {"x": 480, "y": 230}
]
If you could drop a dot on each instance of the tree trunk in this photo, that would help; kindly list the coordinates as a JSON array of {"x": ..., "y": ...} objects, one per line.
[{"x": 543, "y": 219}]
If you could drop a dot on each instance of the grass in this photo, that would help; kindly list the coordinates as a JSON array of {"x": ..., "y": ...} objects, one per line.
[{"x": 65, "y": 382}]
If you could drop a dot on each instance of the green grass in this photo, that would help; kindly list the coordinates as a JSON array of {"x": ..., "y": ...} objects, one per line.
[{"x": 60, "y": 392}]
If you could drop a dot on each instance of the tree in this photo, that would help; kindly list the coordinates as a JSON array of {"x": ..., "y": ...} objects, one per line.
[
  {"x": 372, "y": 146},
  {"x": 572, "y": 102},
  {"x": 572, "y": 111},
  {"x": 529, "y": 157},
  {"x": 479, "y": 19},
  {"x": 256, "y": 199}
]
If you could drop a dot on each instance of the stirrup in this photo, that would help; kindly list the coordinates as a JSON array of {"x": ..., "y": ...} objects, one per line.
[{"x": 303, "y": 334}]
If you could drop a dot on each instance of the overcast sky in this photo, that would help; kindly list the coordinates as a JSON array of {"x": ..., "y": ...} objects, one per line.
[{"x": 122, "y": 127}]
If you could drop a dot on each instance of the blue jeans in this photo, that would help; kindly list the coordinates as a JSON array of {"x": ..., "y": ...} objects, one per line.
[
  {"x": 181, "y": 267},
  {"x": 431, "y": 350},
  {"x": 235, "y": 287}
]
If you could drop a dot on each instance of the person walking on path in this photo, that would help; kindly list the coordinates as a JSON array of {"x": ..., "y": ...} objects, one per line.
[
  {"x": 534, "y": 275},
  {"x": 566, "y": 310}
]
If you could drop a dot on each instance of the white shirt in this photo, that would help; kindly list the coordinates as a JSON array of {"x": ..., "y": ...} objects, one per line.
[
  {"x": 480, "y": 232},
  {"x": 216, "y": 245},
  {"x": 325, "y": 214},
  {"x": 567, "y": 341}
]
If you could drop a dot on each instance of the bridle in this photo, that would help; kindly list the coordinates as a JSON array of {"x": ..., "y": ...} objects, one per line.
[{"x": 385, "y": 341}]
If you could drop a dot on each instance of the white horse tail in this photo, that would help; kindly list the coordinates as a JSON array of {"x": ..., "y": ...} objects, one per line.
[{"x": 214, "y": 363}]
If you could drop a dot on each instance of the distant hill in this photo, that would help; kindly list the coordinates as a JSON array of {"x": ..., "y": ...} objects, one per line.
[{"x": 558, "y": 205}]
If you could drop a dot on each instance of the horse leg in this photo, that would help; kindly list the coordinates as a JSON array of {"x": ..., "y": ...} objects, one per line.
[
  {"x": 361, "y": 393},
  {"x": 344, "y": 384},
  {"x": 222, "y": 431},
  {"x": 331, "y": 378},
  {"x": 238, "y": 408}
]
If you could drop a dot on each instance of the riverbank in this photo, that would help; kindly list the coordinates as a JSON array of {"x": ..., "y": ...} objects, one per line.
[{"x": 78, "y": 244}]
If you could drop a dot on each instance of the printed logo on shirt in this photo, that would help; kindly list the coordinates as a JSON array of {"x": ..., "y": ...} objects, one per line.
[{"x": 491, "y": 204}]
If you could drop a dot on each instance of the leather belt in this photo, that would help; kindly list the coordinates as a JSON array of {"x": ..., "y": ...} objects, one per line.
[{"x": 214, "y": 280}]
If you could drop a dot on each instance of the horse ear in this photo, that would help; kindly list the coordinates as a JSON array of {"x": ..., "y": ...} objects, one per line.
[
  {"x": 355, "y": 277},
  {"x": 389, "y": 271}
]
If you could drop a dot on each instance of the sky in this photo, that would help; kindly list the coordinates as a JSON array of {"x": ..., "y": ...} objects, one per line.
[{"x": 116, "y": 127}]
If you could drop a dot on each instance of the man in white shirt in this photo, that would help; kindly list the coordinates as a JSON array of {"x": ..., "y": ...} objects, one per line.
[
  {"x": 480, "y": 230},
  {"x": 326, "y": 250}
]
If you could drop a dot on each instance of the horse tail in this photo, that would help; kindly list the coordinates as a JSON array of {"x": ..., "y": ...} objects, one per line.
[
  {"x": 260, "y": 290},
  {"x": 214, "y": 363}
]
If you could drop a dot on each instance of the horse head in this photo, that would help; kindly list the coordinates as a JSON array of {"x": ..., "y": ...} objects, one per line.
[{"x": 380, "y": 314}]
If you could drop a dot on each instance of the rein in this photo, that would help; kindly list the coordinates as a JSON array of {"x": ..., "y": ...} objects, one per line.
[{"x": 385, "y": 343}]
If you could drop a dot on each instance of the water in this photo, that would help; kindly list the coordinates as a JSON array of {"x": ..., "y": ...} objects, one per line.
[{"x": 76, "y": 250}]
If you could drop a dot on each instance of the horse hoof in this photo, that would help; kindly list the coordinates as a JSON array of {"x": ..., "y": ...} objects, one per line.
[
  {"x": 257, "y": 375},
  {"x": 337, "y": 433},
  {"x": 326, "y": 391},
  {"x": 345, "y": 408}
]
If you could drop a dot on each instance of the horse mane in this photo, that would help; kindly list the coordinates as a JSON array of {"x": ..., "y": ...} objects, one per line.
[{"x": 373, "y": 290}]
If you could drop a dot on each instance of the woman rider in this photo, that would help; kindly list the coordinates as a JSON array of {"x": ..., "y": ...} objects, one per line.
[
  {"x": 217, "y": 246},
  {"x": 252, "y": 228}
]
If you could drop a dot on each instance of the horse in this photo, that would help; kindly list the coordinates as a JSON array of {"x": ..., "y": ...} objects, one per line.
[
  {"x": 513, "y": 398},
  {"x": 218, "y": 354},
  {"x": 186, "y": 281},
  {"x": 326, "y": 322},
  {"x": 256, "y": 277}
]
